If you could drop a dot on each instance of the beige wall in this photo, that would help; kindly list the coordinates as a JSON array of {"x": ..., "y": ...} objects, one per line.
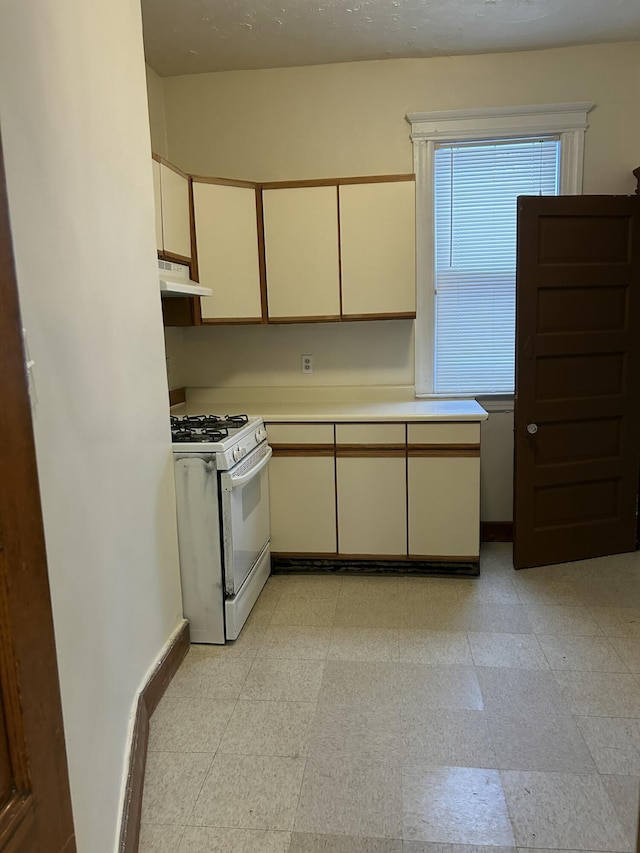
[
  {"x": 337, "y": 120},
  {"x": 73, "y": 111}
]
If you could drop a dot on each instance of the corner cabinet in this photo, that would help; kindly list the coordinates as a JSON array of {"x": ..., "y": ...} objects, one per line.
[
  {"x": 173, "y": 211},
  {"x": 396, "y": 492},
  {"x": 228, "y": 250}
]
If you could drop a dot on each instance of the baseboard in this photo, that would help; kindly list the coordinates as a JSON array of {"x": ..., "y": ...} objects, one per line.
[
  {"x": 148, "y": 699},
  {"x": 496, "y": 531}
]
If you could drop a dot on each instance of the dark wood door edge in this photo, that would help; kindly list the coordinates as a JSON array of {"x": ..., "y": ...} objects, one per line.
[
  {"x": 148, "y": 700},
  {"x": 496, "y": 531}
]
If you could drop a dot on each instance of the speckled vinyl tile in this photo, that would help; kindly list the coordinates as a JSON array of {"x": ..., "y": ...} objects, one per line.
[
  {"x": 300, "y": 610},
  {"x": 306, "y": 842},
  {"x": 522, "y": 691},
  {"x": 250, "y": 791},
  {"x": 436, "y": 847},
  {"x": 349, "y": 796},
  {"x": 364, "y": 644},
  {"x": 433, "y": 647},
  {"x": 208, "y": 839},
  {"x": 428, "y": 687},
  {"x": 595, "y": 654},
  {"x": 189, "y": 725},
  {"x": 624, "y": 793},
  {"x": 629, "y": 650},
  {"x": 561, "y": 810},
  {"x": 455, "y": 805},
  {"x": 600, "y": 693},
  {"x": 614, "y": 744},
  {"x": 172, "y": 784},
  {"x": 367, "y": 731},
  {"x": 447, "y": 737},
  {"x": 539, "y": 742},
  {"x": 269, "y": 728},
  {"x": 288, "y": 680},
  {"x": 218, "y": 677},
  {"x": 520, "y": 651},
  {"x": 360, "y": 683},
  {"x": 618, "y": 621},
  {"x": 159, "y": 838},
  {"x": 295, "y": 641},
  {"x": 562, "y": 619}
]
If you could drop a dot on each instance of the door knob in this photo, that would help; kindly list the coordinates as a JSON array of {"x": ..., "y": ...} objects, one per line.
[{"x": 532, "y": 429}]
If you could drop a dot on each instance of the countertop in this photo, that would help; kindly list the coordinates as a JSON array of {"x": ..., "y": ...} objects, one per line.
[{"x": 328, "y": 404}]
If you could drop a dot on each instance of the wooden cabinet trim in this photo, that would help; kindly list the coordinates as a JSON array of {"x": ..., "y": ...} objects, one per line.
[
  {"x": 231, "y": 321},
  {"x": 442, "y": 558},
  {"x": 307, "y": 555},
  {"x": 193, "y": 265},
  {"x": 392, "y": 315},
  {"x": 225, "y": 182},
  {"x": 329, "y": 318},
  {"x": 337, "y": 182},
  {"x": 169, "y": 165},
  {"x": 178, "y": 259},
  {"x": 302, "y": 449},
  {"x": 415, "y": 451},
  {"x": 262, "y": 257},
  {"x": 363, "y": 451}
]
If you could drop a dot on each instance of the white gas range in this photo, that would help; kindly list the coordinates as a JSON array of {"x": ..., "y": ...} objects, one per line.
[{"x": 222, "y": 500}]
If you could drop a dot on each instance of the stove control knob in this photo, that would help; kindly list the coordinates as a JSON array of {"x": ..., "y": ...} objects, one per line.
[
  {"x": 260, "y": 435},
  {"x": 238, "y": 453}
]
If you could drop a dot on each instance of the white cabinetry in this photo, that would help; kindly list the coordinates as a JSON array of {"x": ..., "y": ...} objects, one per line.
[
  {"x": 173, "y": 219},
  {"x": 301, "y": 252},
  {"x": 377, "y": 243},
  {"x": 302, "y": 491},
  {"x": 226, "y": 228},
  {"x": 372, "y": 488},
  {"x": 443, "y": 485}
]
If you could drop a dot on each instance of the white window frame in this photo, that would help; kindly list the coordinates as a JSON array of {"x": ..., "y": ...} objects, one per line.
[{"x": 567, "y": 121}]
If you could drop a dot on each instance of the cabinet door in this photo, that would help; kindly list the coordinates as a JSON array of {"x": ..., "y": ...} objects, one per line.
[
  {"x": 301, "y": 252},
  {"x": 176, "y": 228},
  {"x": 227, "y": 246},
  {"x": 377, "y": 244},
  {"x": 372, "y": 489},
  {"x": 302, "y": 489},
  {"x": 443, "y": 472},
  {"x": 157, "y": 195}
]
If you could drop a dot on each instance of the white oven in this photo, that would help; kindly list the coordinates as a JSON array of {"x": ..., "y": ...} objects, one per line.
[{"x": 222, "y": 500}]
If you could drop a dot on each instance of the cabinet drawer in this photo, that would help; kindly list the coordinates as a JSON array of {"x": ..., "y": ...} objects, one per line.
[
  {"x": 300, "y": 434},
  {"x": 370, "y": 434},
  {"x": 443, "y": 434}
]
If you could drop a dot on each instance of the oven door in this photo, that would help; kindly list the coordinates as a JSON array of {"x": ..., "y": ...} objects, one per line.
[{"x": 245, "y": 516}]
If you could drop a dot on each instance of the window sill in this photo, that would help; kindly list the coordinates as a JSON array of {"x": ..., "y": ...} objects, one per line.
[{"x": 489, "y": 402}]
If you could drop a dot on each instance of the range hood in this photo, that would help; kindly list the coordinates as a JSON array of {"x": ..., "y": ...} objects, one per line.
[{"x": 175, "y": 281}]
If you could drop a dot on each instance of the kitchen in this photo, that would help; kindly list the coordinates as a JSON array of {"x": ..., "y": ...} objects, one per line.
[{"x": 87, "y": 164}]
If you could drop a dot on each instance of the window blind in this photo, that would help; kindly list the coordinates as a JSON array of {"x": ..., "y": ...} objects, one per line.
[{"x": 476, "y": 189}]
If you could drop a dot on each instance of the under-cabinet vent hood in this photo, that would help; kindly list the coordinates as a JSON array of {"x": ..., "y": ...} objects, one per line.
[{"x": 175, "y": 281}]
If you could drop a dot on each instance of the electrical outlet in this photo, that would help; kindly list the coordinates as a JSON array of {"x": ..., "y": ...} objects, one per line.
[{"x": 306, "y": 363}]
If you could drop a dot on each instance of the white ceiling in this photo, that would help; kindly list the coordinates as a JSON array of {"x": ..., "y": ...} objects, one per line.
[{"x": 194, "y": 36}]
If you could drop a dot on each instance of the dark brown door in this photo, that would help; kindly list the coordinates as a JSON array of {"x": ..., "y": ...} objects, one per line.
[
  {"x": 35, "y": 806},
  {"x": 577, "y": 425}
]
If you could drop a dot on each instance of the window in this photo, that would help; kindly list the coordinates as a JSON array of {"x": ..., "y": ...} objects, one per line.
[{"x": 470, "y": 167}]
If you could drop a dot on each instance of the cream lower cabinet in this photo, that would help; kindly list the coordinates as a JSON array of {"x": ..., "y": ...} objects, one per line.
[
  {"x": 443, "y": 488},
  {"x": 371, "y": 490},
  {"x": 302, "y": 489}
]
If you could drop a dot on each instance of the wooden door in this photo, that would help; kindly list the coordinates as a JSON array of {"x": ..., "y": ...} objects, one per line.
[
  {"x": 577, "y": 424},
  {"x": 35, "y": 805}
]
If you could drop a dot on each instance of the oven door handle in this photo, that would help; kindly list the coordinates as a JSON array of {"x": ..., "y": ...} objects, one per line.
[{"x": 244, "y": 478}]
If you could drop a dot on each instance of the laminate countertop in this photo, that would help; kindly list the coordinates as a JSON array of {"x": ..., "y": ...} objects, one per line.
[{"x": 322, "y": 405}]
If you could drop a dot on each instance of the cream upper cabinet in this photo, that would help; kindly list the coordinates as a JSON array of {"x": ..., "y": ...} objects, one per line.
[
  {"x": 157, "y": 195},
  {"x": 377, "y": 241},
  {"x": 302, "y": 489},
  {"x": 301, "y": 252},
  {"x": 176, "y": 222},
  {"x": 443, "y": 485},
  {"x": 226, "y": 227},
  {"x": 371, "y": 489}
]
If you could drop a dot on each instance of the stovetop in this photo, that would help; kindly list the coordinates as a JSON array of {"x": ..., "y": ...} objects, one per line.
[
  {"x": 229, "y": 437},
  {"x": 205, "y": 428}
]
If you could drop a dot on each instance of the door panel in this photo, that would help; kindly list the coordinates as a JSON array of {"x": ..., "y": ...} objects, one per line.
[
  {"x": 36, "y": 815},
  {"x": 577, "y": 378}
]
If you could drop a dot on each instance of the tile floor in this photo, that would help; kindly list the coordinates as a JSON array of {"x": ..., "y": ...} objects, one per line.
[{"x": 409, "y": 715}]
